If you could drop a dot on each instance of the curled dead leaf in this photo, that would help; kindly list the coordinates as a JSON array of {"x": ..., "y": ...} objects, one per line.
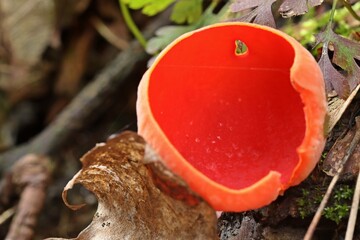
[{"x": 131, "y": 206}]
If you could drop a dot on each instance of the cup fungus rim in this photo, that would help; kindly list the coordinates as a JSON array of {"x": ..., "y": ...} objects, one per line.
[{"x": 185, "y": 169}]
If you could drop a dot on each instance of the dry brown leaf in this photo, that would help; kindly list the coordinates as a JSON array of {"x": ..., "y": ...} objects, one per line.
[
  {"x": 335, "y": 156},
  {"x": 131, "y": 206},
  {"x": 337, "y": 107},
  {"x": 20, "y": 25},
  {"x": 26, "y": 28},
  {"x": 260, "y": 11},
  {"x": 290, "y": 8}
]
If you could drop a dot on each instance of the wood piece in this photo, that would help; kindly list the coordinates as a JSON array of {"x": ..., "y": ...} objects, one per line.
[{"x": 87, "y": 103}]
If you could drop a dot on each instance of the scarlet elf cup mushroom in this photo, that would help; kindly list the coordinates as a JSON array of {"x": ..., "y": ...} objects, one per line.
[{"x": 238, "y": 128}]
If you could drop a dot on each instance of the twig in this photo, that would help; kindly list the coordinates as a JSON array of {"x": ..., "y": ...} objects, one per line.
[
  {"x": 89, "y": 101},
  {"x": 77, "y": 113},
  {"x": 351, "y": 10},
  {"x": 354, "y": 211},
  {"x": 316, "y": 219},
  {"x": 31, "y": 174},
  {"x": 6, "y": 215},
  {"x": 106, "y": 33},
  {"x": 5, "y": 68}
]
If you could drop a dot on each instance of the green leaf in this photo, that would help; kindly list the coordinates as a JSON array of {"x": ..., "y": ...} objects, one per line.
[
  {"x": 149, "y": 7},
  {"x": 164, "y": 36},
  {"x": 167, "y": 34},
  {"x": 187, "y": 11}
]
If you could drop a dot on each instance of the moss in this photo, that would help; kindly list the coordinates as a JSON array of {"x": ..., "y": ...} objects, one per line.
[
  {"x": 308, "y": 201},
  {"x": 338, "y": 208}
]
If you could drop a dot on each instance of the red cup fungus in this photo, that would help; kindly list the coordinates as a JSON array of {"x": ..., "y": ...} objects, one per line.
[{"x": 239, "y": 128}]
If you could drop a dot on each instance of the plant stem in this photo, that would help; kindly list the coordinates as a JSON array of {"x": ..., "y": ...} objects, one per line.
[
  {"x": 131, "y": 24},
  {"x": 333, "y": 12},
  {"x": 213, "y": 4},
  {"x": 329, "y": 28},
  {"x": 351, "y": 10},
  {"x": 108, "y": 35}
]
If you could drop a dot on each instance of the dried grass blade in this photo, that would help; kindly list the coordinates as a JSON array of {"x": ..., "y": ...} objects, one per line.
[
  {"x": 354, "y": 211},
  {"x": 316, "y": 218}
]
